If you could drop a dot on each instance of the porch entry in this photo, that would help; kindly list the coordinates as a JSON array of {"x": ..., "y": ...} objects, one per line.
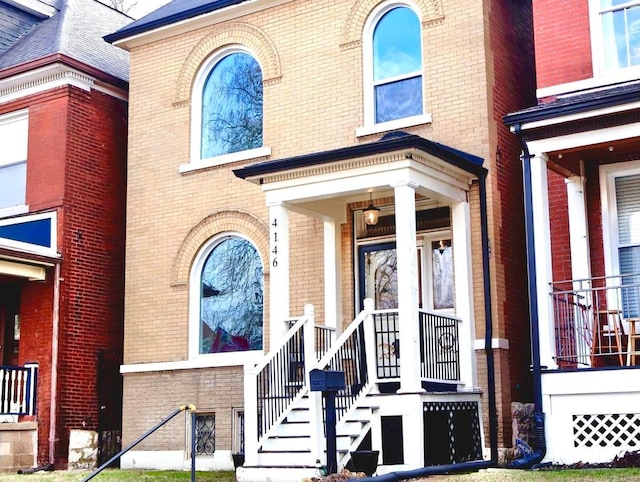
[
  {"x": 10, "y": 295},
  {"x": 378, "y": 274}
]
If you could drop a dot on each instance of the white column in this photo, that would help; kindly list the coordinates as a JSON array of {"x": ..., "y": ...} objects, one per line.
[
  {"x": 407, "y": 260},
  {"x": 463, "y": 278},
  {"x": 332, "y": 278},
  {"x": 578, "y": 228},
  {"x": 278, "y": 271},
  {"x": 544, "y": 273}
]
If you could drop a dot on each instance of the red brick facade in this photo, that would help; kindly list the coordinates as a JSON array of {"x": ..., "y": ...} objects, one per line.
[{"x": 76, "y": 166}]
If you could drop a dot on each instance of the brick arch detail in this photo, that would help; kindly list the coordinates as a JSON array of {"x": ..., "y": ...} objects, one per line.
[
  {"x": 221, "y": 222},
  {"x": 431, "y": 12},
  {"x": 237, "y": 33}
]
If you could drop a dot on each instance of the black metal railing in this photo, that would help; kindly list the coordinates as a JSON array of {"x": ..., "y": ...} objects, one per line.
[
  {"x": 323, "y": 338},
  {"x": 439, "y": 347},
  {"x": 591, "y": 320},
  {"x": 387, "y": 344},
  {"x": 281, "y": 379}
]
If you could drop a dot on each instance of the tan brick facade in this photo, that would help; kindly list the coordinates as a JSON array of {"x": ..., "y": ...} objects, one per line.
[{"x": 311, "y": 53}]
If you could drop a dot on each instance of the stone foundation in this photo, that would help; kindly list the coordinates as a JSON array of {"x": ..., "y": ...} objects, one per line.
[{"x": 18, "y": 446}]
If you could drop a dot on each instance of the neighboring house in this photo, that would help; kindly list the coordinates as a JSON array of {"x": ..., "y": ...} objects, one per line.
[
  {"x": 261, "y": 133},
  {"x": 63, "y": 128},
  {"x": 581, "y": 153}
]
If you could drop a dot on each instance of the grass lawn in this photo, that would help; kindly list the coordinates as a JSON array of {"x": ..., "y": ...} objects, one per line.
[{"x": 120, "y": 476}]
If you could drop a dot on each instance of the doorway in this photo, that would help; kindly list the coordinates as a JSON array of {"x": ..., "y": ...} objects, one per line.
[{"x": 10, "y": 296}]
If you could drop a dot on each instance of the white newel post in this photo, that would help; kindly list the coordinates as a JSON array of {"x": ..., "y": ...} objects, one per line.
[
  {"x": 315, "y": 398},
  {"x": 278, "y": 271},
  {"x": 463, "y": 279},
  {"x": 544, "y": 273},
  {"x": 407, "y": 259},
  {"x": 250, "y": 416},
  {"x": 370, "y": 344}
]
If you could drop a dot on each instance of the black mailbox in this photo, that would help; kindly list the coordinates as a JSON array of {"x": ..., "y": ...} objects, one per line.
[{"x": 326, "y": 380}]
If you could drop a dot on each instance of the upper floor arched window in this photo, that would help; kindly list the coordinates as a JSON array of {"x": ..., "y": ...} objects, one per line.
[
  {"x": 231, "y": 107},
  {"x": 395, "y": 70}
]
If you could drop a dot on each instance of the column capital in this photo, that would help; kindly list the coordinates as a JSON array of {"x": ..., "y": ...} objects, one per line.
[{"x": 405, "y": 183}]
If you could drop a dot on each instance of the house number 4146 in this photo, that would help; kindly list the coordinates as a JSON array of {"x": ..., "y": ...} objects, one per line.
[{"x": 274, "y": 251}]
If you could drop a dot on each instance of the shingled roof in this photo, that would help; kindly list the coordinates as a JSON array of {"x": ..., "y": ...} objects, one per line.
[
  {"x": 172, "y": 12},
  {"x": 75, "y": 30}
]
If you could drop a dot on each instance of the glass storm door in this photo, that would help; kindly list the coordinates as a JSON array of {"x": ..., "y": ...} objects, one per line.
[{"x": 379, "y": 275}]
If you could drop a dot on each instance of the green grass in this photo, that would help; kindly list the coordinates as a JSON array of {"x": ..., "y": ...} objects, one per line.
[
  {"x": 506, "y": 475},
  {"x": 113, "y": 475}
]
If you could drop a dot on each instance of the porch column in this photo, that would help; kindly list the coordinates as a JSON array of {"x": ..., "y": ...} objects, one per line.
[
  {"x": 407, "y": 260},
  {"x": 544, "y": 272},
  {"x": 578, "y": 228},
  {"x": 278, "y": 271},
  {"x": 332, "y": 275},
  {"x": 463, "y": 278}
]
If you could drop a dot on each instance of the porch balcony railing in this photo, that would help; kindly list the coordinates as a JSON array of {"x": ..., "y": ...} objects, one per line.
[
  {"x": 439, "y": 347},
  {"x": 18, "y": 389},
  {"x": 592, "y": 318}
]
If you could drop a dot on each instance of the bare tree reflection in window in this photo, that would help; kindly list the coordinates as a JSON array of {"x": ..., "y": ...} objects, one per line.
[
  {"x": 231, "y": 303},
  {"x": 232, "y": 106},
  {"x": 381, "y": 278},
  {"x": 442, "y": 257}
]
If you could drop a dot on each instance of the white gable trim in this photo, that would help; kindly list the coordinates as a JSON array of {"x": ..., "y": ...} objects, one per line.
[{"x": 34, "y": 7}]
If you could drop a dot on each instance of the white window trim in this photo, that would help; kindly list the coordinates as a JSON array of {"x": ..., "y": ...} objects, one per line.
[
  {"x": 597, "y": 48},
  {"x": 212, "y": 359},
  {"x": 196, "y": 162},
  {"x": 608, "y": 174},
  {"x": 369, "y": 108}
]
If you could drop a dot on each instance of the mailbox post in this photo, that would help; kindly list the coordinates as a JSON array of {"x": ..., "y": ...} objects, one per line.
[{"x": 329, "y": 383}]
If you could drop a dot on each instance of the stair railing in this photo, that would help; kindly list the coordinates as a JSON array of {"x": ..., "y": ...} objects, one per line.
[{"x": 276, "y": 383}]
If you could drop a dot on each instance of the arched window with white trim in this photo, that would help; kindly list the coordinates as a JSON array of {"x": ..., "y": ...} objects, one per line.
[
  {"x": 393, "y": 64},
  {"x": 227, "y": 297}
]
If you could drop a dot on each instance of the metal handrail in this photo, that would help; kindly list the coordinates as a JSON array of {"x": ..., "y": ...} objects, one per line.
[{"x": 191, "y": 408}]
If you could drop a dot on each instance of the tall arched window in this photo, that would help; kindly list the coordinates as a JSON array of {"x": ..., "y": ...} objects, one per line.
[
  {"x": 396, "y": 64},
  {"x": 231, "y": 297},
  {"x": 231, "y": 116}
]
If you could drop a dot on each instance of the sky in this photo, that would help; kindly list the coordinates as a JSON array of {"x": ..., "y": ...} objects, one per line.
[{"x": 144, "y": 7}]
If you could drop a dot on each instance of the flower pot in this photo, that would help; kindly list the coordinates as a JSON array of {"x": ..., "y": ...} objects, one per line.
[
  {"x": 365, "y": 461},
  {"x": 238, "y": 460}
]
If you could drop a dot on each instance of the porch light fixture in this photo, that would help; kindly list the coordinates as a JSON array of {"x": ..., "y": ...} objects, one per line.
[{"x": 371, "y": 213}]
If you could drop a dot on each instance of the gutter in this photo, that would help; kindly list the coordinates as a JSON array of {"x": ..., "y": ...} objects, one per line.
[
  {"x": 54, "y": 365},
  {"x": 529, "y": 460}
]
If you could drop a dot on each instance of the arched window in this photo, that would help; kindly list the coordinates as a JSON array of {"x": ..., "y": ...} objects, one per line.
[
  {"x": 231, "y": 115},
  {"x": 395, "y": 66},
  {"x": 230, "y": 296}
]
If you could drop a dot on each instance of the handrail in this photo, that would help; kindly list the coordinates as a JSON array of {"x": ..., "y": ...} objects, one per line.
[{"x": 191, "y": 408}]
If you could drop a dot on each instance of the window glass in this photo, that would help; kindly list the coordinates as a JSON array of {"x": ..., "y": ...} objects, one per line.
[
  {"x": 621, "y": 34},
  {"x": 231, "y": 298},
  {"x": 628, "y": 208},
  {"x": 397, "y": 65},
  {"x": 13, "y": 159},
  {"x": 442, "y": 258},
  {"x": 232, "y": 106}
]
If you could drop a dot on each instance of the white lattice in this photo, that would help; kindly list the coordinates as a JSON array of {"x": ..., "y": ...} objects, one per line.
[{"x": 606, "y": 430}]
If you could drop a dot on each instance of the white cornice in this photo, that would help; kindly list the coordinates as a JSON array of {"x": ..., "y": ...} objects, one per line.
[
  {"x": 50, "y": 77},
  {"x": 34, "y": 7},
  {"x": 205, "y": 20}
]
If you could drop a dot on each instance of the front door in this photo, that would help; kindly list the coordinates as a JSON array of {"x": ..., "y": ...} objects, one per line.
[
  {"x": 379, "y": 275},
  {"x": 9, "y": 323}
]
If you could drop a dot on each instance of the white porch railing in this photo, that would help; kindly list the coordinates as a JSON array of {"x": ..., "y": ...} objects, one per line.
[{"x": 18, "y": 390}]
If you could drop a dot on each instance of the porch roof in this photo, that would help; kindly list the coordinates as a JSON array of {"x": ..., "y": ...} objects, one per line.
[
  {"x": 577, "y": 104},
  {"x": 392, "y": 142}
]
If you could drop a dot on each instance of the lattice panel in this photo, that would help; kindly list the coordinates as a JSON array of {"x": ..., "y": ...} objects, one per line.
[
  {"x": 452, "y": 432},
  {"x": 607, "y": 430}
]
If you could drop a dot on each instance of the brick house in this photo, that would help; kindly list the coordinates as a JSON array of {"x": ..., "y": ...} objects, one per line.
[
  {"x": 325, "y": 185},
  {"x": 581, "y": 154},
  {"x": 63, "y": 127}
]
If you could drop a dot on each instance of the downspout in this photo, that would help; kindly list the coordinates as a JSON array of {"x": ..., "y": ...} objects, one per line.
[
  {"x": 488, "y": 321},
  {"x": 527, "y": 461},
  {"x": 54, "y": 365},
  {"x": 491, "y": 379}
]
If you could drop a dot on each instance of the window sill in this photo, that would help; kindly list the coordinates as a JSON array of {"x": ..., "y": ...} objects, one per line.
[
  {"x": 226, "y": 159},
  {"x": 199, "y": 361},
  {"x": 367, "y": 130},
  {"x": 13, "y": 211}
]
